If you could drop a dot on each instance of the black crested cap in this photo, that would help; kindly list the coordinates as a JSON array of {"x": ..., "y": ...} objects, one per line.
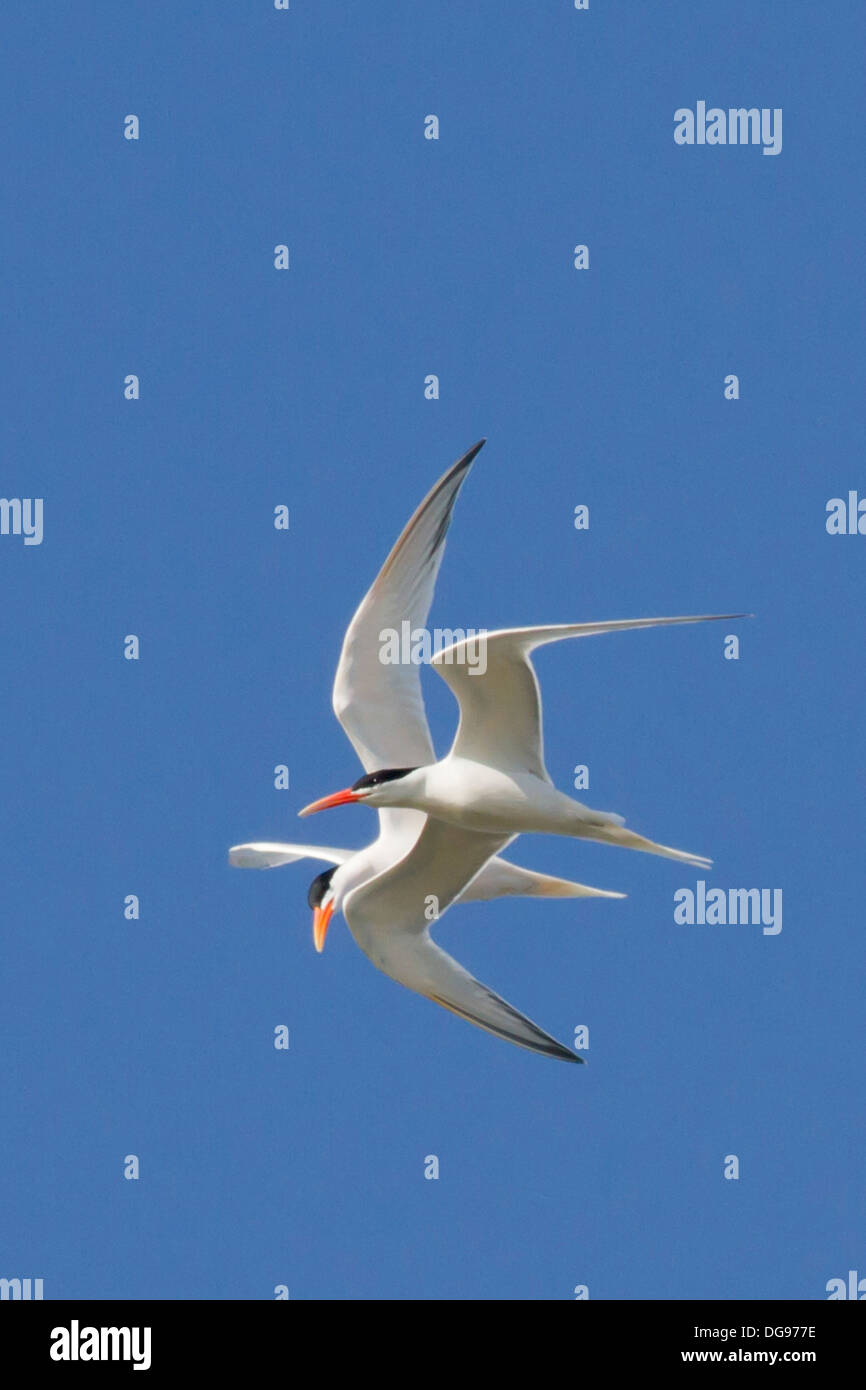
[
  {"x": 319, "y": 886},
  {"x": 388, "y": 774}
]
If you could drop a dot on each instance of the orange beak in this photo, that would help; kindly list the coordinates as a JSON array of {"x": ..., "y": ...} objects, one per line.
[
  {"x": 335, "y": 799},
  {"x": 321, "y": 918}
]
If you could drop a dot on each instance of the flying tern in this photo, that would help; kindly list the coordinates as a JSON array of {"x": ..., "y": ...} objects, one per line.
[
  {"x": 386, "y": 889},
  {"x": 494, "y": 779}
]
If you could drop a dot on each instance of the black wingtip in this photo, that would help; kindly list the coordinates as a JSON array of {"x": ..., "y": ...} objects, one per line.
[
  {"x": 470, "y": 454},
  {"x": 558, "y": 1051}
]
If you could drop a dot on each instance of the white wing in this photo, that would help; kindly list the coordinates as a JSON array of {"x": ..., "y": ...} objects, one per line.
[
  {"x": 502, "y": 879},
  {"x": 500, "y": 710},
  {"x": 387, "y": 917},
  {"x": 498, "y": 879},
  {"x": 267, "y": 854},
  {"x": 380, "y": 706}
]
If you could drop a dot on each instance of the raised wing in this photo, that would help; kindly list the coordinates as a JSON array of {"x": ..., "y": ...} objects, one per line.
[
  {"x": 380, "y": 705},
  {"x": 388, "y": 918},
  {"x": 500, "y": 710},
  {"x": 268, "y": 854}
]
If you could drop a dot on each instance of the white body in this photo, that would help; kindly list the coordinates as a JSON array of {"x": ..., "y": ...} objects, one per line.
[
  {"x": 479, "y": 797},
  {"x": 383, "y": 890},
  {"x": 494, "y": 779}
]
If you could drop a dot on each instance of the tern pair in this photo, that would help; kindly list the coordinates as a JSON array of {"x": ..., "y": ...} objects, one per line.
[{"x": 442, "y": 825}]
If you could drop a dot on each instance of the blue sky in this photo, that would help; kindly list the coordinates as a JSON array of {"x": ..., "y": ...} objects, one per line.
[{"x": 306, "y": 388}]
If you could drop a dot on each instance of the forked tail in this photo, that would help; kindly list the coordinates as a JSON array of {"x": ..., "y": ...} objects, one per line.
[{"x": 628, "y": 839}]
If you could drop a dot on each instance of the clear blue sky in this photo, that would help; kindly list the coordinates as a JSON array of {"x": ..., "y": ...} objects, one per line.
[{"x": 305, "y": 387}]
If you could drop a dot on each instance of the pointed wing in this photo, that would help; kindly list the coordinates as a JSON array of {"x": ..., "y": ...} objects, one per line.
[
  {"x": 498, "y": 879},
  {"x": 388, "y": 919},
  {"x": 500, "y": 705},
  {"x": 267, "y": 854},
  {"x": 380, "y": 706},
  {"x": 501, "y": 879}
]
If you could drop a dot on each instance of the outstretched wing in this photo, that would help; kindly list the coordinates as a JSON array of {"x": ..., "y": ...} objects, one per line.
[
  {"x": 500, "y": 703},
  {"x": 388, "y": 917},
  {"x": 501, "y": 879},
  {"x": 269, "y": 854},
  {"x": 380, "y": 705}
]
